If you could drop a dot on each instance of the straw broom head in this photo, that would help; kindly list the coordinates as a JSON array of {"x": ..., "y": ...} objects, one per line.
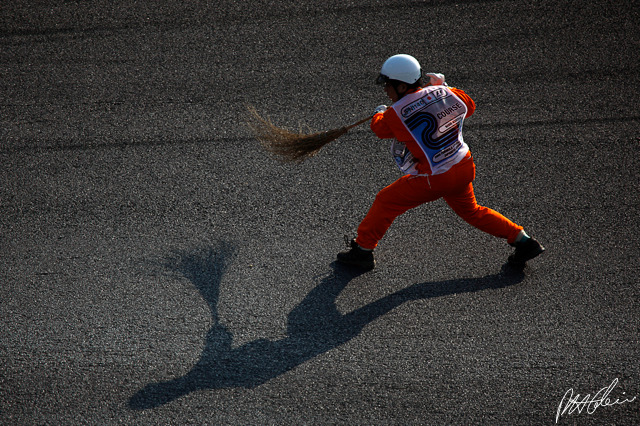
[{"x": 289, "y": 146}]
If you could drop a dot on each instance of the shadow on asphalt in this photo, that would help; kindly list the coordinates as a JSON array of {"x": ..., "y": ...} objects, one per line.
[{"x": 315, "y": 326}]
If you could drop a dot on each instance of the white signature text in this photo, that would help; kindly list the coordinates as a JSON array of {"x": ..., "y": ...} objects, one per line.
[{"x": 571, "y": 403}]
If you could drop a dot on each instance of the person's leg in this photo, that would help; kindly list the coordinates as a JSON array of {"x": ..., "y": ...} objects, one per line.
[
  {"x": 392, "y": 201},
  {"x": 464, "y": 204},
  {"x": 457, "y": 187}
]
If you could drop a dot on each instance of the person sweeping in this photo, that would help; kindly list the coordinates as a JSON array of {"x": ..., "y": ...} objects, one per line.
[{"x": 425, "y": 121}]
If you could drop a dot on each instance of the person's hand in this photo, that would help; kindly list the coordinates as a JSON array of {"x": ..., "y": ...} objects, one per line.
[
  {"x": 380, "y": 108},
  {"x": 436, "y": 79}
]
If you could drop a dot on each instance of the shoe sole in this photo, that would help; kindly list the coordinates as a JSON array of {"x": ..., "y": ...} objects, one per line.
[{"x": 366, "y": 267}]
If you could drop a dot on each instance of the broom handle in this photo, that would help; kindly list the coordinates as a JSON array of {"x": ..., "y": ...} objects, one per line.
[{"x": 364, "y": 120}]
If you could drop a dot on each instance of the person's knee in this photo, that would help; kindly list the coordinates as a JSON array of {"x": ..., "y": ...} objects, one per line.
[
  {"x": 384, "y": 196},
  {"x": 464, "y": 208},
  {"x": 470, "y": 214}
]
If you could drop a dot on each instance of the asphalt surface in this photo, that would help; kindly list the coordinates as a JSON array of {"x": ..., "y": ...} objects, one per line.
[{"x": 157, "y": 267}]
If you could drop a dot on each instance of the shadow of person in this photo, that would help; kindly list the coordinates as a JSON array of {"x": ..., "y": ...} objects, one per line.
[{"x": 314, "y": 326}]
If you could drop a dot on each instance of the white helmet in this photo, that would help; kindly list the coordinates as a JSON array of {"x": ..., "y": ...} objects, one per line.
[{"x": 404, "y": 68}]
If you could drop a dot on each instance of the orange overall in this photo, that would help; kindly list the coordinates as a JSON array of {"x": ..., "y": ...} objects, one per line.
[{"x": 411, "y": 190}]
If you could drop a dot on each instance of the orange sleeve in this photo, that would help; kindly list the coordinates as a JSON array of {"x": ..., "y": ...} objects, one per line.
[
  {"x": 380, "y": 126},
  {"x": 471, "y": 106}
]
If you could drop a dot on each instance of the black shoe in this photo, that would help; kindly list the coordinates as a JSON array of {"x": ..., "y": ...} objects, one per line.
[
  {"x": 526, "y": 250},
  {"x": 357, "y": 256}
]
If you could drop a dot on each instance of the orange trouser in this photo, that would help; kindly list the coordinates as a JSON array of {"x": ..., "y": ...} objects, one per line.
[{"x": 411, "y": 191}]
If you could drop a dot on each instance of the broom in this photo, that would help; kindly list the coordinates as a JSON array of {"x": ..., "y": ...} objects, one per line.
[{"x": 289, "y": 146}]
